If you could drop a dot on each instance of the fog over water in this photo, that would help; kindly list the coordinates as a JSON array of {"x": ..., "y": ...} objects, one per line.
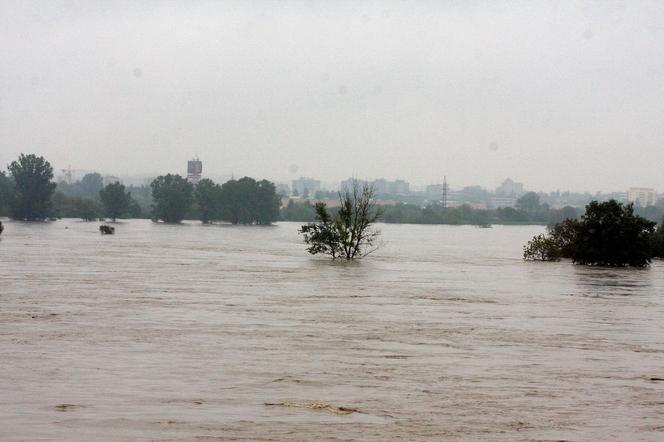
[
  {"x": 555, "y": 94},
  {"x": 183, "y": 332}
]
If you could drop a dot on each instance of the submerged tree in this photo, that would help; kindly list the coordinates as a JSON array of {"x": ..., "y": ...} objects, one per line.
[
  {"x": 608, "y": 234},
  {"x": 208, "y": 195},
  {"x": 115, "y": 200},
  {"x": 564, "y": 235},
  {"x": 172, "y": 195},
  {"x": 267, "y": 203},
  {"x": 32, "y": 188},
  {"x": 349, "y": 233},
  {"x": 84, "y": 208},
  {"x": 247, "y": 201},
  {"x": 322, "y": 236},
  {"x": 90, "y": 185},
  {"x": 542, "y": 248},
  {"x": 658, "y": 242},
  {"x": 6, "y": 193}
]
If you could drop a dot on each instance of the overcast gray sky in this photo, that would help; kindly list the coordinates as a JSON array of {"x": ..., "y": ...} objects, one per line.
[{"x": 559, "y": 95}]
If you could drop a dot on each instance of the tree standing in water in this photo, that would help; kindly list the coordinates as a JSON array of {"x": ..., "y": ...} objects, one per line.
[
  {"x": 608, "y": 234},
  {"x": 33, "y": 188},
  {"x": 115, "y": 200},
  {"x": 173, "y": 196},
  {"x": 349, "y": 234}
]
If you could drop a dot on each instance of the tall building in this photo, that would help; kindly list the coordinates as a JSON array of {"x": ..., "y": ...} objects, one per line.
[
  {"x": 194, "y": 170},
  {"x": 641, "y": 196},
  {"x": 510, "y": 188}
]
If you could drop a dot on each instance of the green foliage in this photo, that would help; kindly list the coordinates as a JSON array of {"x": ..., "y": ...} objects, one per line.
[
  {"x": 322, "y": 236},
  {"x": 401, "y": 213},
  {"x": 247, "y": 201},
  {"x": 529, "y": 204},
  {"x": 6, "y": 193},
  {"x": 85, "y": 208},
  {"x": 653, "y": 213},
  {"x": 33, "y": 188},
  {"x": 74, "y": 207},
  {"x": 243, "y": 201},
  {"x": 172, "y": 196},
  {"x": 542, "y": 248},
  {"x": 115, "y": 200},
  {"x": 658, "y": 241},
  {"x": 610, "y": 234},
  {"x": 141, "y": 201},
  {"x": 564, "y": 234},
  {"x": 267, "y": 203},
  {"x": 208, "y": 199},
  {"x": 298, "y": 212},
  {"x": 90, "y": 185},
  {"x": 348, "y": 234}
]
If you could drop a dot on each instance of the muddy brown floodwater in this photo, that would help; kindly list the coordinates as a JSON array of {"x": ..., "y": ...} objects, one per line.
[{"x": 218, "y": 332}]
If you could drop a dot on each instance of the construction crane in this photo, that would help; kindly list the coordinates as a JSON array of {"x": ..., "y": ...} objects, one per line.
[{"x": 69, "y": 171}]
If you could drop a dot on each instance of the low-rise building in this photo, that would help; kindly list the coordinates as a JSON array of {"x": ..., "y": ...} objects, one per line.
[{"x": 503, "y": 201}]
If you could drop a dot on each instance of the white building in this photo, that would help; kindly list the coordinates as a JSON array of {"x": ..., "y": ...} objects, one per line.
[
  {"x": 510, "y": 188},
  {"x": 503, "y": 201},
  {"x": 641, "y": 196}
]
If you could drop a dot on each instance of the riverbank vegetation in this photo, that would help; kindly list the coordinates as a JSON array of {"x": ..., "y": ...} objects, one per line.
[
  {"x": 608, "y": 234},
  {"x": 31, "y": 188},
  {"x": 243, "y": 201},
  {"x": 28, "y": 193},
  {"x": 528, "y": 210}
]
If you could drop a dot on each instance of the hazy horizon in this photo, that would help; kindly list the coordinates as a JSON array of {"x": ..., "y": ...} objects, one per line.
[{"x": 557, "y": 95}]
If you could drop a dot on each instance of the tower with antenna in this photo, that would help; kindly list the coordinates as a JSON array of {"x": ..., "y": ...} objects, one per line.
[{"x": 445, "y": 192}]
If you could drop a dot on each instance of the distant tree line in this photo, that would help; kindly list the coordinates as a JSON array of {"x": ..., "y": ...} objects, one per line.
[
  {"x": 27, "y": 192},
  {"x": 243, "y": 201},
  {"x": 528, "y": 210}
]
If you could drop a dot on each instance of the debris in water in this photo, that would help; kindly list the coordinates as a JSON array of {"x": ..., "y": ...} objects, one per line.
[
  {"x": 67, "y": 407},
  {"x": 316, "y": 406},
  {"x": 105, "y": 229}
]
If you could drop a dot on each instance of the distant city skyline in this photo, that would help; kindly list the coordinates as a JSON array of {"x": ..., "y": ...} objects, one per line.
[
  {"x": 565, "y": 95},
  {"x": 336, "y": 184}
]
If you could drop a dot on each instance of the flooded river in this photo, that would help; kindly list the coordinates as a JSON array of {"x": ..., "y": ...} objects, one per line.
[{"x": 187, "y": 332}]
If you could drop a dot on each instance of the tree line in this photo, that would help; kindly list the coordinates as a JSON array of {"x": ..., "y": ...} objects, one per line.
[
  {"x": 27, "y": 192},
  {"x": 243, "y": 201},
  {"x": 528, "y": 210}
]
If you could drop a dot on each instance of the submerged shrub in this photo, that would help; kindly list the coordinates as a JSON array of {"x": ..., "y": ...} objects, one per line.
[
  {"x": 608, "y": 234},
  {"x": 542, "y": 248}
]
